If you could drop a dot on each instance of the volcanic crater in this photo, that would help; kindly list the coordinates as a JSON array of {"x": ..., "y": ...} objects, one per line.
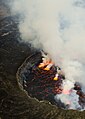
[{"x": 40, "y": 83}]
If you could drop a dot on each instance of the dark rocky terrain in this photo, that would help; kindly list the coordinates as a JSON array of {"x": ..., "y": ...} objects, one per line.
[{"x": 14, "y": 102}]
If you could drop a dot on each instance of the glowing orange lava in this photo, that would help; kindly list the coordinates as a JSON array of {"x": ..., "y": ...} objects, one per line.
[
  {"x": 56, "y": 77},
  {"x": 46, "y": 64}
]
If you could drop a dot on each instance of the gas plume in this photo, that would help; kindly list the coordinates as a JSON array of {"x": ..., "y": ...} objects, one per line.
[{"x": 57, "y": 27}]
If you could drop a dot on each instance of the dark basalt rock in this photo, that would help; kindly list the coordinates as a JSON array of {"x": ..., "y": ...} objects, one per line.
[{"x": 14, "y": 102}]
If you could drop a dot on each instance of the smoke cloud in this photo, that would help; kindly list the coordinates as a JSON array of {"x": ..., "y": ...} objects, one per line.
[{"x": 57, "y": 27}]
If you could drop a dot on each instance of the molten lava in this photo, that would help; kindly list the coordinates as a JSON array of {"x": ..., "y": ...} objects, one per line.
[
  {"x": 46, "y": 65},
  {"x": 44, "y": 80},
  {"x": 56, "y": 77}
]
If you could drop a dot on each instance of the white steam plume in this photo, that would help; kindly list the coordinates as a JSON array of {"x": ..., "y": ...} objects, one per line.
[{"x": 58, "y": 26}]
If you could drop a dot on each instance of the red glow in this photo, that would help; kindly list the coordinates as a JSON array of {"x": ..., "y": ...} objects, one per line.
[
  {"x": 67, "y": 92},
  {"x": 68, "y": 102}
]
